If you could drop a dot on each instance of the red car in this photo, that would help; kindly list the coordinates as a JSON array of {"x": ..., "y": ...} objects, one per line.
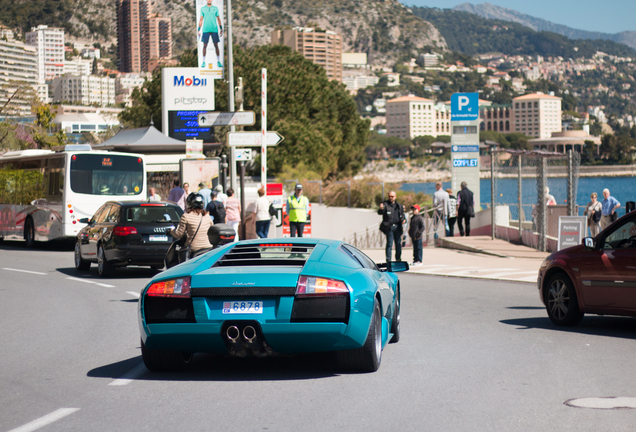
[{"x": 598, "y": 276}]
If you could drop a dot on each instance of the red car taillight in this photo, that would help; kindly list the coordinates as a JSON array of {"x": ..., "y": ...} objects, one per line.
[
  {"x": 124, "y": 231},
  {"x": 170, "y": 288},
  {"x": 311, "y": 286}
]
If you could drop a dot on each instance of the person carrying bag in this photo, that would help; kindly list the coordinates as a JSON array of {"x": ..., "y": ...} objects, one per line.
[{"x": 194, "y": 225}]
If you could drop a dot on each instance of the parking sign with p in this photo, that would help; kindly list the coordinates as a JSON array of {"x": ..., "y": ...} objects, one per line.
[{"x": 464, "y": 106}]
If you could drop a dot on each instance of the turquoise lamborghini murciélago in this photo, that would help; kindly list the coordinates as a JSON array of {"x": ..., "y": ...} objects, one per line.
[{"x": 272, "y": 296}]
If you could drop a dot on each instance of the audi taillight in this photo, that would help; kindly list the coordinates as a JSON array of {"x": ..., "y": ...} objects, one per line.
[
  {"x": 312, "y": 286},
  {"x": 170, "y": 288},
  {"x": 124, "y": 231}
]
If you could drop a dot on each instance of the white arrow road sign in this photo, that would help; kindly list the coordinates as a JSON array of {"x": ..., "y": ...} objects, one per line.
[
  {"x": 252, "y": 139},
  {"x": 239, "y": 118}
]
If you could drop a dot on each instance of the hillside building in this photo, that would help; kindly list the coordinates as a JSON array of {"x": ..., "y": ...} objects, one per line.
[
  {"x": 18, "y": 66},
  {"x": 143, "y": 38},
  {"x": 78, "y": 66},
  {"x": 411, "y": 116},
  {"x": 49, "y": 44},
  {"x": 323, "y": 48},
  {"x": 84, "y": 90},
  {"x": 537, "y": 115},
  {"x": 125, "y": 84}
]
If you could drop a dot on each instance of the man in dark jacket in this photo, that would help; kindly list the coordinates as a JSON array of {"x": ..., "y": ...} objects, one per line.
[
  {"x": 465, "y": 209},
  {"x": 416, "y": 229},
  {"x": 215, "y": 208},
  {"x": 392, "y": 219}
]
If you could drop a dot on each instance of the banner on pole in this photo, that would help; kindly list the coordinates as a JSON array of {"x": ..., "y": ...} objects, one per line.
[{"x": 210, "y": 37}]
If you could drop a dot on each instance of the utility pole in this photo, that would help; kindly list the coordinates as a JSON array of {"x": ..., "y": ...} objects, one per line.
[{"x": 230, "y": 87}]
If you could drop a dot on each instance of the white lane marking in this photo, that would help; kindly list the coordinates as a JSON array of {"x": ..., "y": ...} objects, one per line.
[
  {"x": 23, "y": 271},
  {"x": 47, "y": 419},
  {"x": 90, "y": 282},
  {"x": 130, "y": 376},
  {"x": 134, "y": 294},
  {"x": 603, "y": 403}
]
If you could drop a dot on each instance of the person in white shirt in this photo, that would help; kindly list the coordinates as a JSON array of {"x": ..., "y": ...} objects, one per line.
[
  {"x": 152, "y": 196},
  {"x": 441, "y": 203},
  {"x": 220, "y": 196},
  {"x": 263, "y": 218}
]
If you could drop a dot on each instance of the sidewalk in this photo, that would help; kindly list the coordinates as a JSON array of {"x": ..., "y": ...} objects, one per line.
[{"x": 477, "y": 257}]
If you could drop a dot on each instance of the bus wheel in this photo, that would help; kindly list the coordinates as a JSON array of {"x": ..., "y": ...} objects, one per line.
[{"x": 29, "y": 233}]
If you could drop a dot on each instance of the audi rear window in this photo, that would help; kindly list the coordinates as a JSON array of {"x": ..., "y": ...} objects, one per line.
[{"x": 152, "y": 214}]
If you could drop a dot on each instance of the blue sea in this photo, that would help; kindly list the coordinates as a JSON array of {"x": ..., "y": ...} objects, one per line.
[{"x": 621, "y": 188}]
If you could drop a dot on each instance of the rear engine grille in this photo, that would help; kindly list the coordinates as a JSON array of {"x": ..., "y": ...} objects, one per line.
[
  {"x": 164, "y": 310},
  {"x": 321, "y": 309},
  {"x": 243, "y": 291},
  {"x": 267, "y": 254}
]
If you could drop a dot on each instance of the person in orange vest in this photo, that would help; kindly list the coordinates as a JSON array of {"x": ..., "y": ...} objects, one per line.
[{"x": 297, "y": 209}]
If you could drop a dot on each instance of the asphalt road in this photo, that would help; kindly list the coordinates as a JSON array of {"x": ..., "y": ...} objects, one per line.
[{"x": 475, "y": 355}]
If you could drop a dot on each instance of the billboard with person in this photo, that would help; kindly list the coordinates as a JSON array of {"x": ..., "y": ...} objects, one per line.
[{"x": 210, "y": 37}]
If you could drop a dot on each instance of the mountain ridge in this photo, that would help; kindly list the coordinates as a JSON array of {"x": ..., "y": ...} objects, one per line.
[{"x": 490, "y": 11}]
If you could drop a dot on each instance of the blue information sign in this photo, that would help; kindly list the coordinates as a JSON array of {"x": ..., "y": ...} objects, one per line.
[
  {"x": 464, "y": 106},
  {"x": 465, "y": 148}
]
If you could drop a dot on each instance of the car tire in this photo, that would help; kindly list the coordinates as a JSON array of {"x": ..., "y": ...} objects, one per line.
[
  {"x": 368, "y": 357},
  {"x": 561, "y": 301},
  {"x": 80, "y": 263},
  {"x": 395, "y": 321},
  {"x": 165, "y": 360},
  {"x": 29, "y": 233},
  {"x": 104, "y": 268}
]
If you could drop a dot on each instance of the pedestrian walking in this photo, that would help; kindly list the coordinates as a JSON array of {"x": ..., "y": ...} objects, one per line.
[
  {"x": 186, "y": 188},
  {"x": 593, "y": 211},
  {"x": 216, "y": 209},
  {"x": 465, "y": 209},
  {"x": 178, "y": 195},
  {"x": 608, "y": 207},
  {"x": 221, "y": 196},
  {"x": 204, "y": 191},
  {"x": 297, "y": 210},
  {"x": 416, "y": 229},
  {"x": 452, "y": 213},
  {"x": 392, "y": 219},
  {"x": 152, "y": 195},
  {"x": 441, "y": 202},
  {"x": 263, "y": 218},
  {"x": 233, "y": 212}
]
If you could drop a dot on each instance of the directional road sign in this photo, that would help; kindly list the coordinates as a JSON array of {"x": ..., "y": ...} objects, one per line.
[
  {"x": 252, "y": 139},
  {"x": 239, "y": 118}
]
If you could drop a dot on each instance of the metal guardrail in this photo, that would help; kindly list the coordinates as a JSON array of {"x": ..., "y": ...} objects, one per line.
[{"x": 372, "y": 238}]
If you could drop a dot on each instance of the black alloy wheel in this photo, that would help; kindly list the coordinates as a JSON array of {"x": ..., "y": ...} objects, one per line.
[
  {"x": 368, "y": 357},
  {"x": 103, "y": 267},
  {"x": 561, "y": 301}
]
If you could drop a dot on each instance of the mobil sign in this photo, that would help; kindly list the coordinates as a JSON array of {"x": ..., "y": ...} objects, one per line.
[
  {"x": 464, "y": 106},
  {"x": 185, "y": 89}
]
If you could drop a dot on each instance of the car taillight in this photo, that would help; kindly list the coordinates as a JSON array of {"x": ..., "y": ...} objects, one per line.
[
  {"x": 124, "y": 231},
  {"x": 311, "y": 286},
  {"x": 170, "y": 288}
]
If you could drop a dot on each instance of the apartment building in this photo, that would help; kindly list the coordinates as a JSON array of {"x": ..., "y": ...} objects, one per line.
[
  {"x": 18, "y": 66},
  {"x": 84, "y": 90},
  {"x": 411, "y": 116},
  {"x": 78, "y": 66},
  {"x": 323, "y": 48},
  {"x": 126, "y": 83},
  {"x": 49, "y": 43},
  {"x": 537, "y": 115},
  {"x": 143, "y": 38}
]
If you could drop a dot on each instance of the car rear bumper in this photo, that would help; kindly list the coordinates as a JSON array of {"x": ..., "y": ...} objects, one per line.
[{"x": 138, "y": 254}]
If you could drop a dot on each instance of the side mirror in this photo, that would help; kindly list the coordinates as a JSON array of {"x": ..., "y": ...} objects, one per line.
[
  {"x": 589, "y": 242},
  {"x": 84, "y": 220},
  {"x": 394, "y": 266}
]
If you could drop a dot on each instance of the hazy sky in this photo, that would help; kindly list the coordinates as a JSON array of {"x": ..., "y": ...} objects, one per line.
[{"x": 608, "y": 16}]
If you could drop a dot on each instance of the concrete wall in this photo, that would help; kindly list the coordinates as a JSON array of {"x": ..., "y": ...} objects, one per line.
[{"x": 341, "y": 222}]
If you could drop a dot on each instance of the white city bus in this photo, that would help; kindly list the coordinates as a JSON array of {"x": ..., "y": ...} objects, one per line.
[{"x": 44, "y": 194}]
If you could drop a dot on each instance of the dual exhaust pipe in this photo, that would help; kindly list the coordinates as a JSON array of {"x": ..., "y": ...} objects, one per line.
[
  {"x": 248, "y": 338},
  {"x": 233, "y": 334}
]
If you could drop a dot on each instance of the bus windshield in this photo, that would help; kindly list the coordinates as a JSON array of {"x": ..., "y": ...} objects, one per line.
[{"x": 102, "y": 174}]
